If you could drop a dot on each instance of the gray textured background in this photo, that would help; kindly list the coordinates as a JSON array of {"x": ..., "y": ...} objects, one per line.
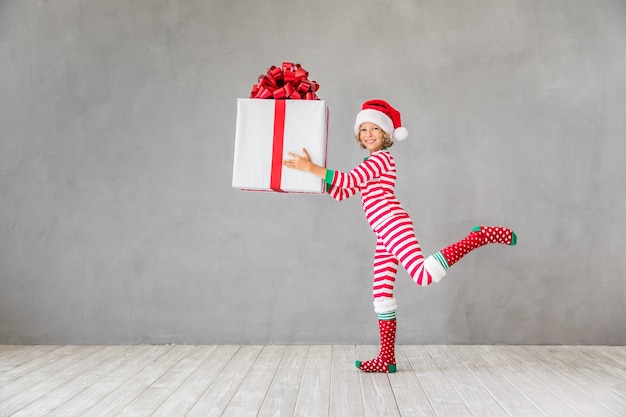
[{"x": 118, "y": 223}]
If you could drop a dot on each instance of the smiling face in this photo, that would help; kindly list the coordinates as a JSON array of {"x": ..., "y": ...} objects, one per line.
[{"x": 371, "y": 137}]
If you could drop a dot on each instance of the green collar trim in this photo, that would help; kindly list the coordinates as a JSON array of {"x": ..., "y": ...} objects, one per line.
[{"x": 367, "y": 157}]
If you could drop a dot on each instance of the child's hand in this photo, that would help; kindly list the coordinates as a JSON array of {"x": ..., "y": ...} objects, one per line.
[{"x": 301, "y": 163}]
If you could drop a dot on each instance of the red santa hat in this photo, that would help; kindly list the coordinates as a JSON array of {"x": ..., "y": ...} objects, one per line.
[{"x": 381, "y": 113}]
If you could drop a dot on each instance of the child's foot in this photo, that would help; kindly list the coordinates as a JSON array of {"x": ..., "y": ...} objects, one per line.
[
  {"x": 386, "y": 359},
  {"x": 495, "y": 234},
  {"x": 376, "y": 365},
  {"x": 479, "y": 236}
]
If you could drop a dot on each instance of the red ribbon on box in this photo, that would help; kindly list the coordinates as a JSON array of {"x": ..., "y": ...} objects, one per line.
[
  {"x": 277, "y": 146},
  {"x": 280, "y": 83}
]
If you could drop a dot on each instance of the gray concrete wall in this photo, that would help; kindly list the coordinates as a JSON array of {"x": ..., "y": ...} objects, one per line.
[{"x": 118, "y": 223}]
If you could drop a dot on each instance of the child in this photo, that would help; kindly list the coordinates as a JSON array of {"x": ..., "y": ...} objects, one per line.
[{"x": 377, "y": 124}]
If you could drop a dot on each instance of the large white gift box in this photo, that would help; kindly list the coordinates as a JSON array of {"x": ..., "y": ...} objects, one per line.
[{"x": 267, "y": 130}]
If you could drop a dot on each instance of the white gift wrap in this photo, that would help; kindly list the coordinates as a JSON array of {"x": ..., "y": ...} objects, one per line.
[{"x": 305, "y": 127}]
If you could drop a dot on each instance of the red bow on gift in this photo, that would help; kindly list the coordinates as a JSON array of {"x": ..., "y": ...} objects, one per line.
[{"x": 288, "y": 82}]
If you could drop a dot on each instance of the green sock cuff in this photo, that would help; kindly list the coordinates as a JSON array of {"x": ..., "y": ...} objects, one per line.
[
  {"x": 476, "y": 229},
  {"x": 387, "y": 316},
  {"x": 442, "y": 260}
]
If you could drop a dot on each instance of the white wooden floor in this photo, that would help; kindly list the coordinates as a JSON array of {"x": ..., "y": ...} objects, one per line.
[{"x": 309, "y": 381}]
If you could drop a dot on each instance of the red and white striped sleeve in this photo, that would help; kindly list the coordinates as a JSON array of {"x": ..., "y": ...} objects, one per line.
[
  {"x": 373, "y": 167},
  {"x": 336, "y": 192},
  {"x": 345, "y": 184}
]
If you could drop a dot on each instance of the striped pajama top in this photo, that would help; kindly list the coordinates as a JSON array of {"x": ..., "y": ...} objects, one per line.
[{"x": 375, "y": 178}]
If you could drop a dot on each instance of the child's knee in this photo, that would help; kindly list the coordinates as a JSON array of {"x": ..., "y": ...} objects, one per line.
[{"x": 385, "y": 304}]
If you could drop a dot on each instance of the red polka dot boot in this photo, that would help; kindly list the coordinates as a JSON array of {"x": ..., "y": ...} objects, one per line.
[
  {"x": 386, "y": 359},
  {"x": 479, "y": 236}
]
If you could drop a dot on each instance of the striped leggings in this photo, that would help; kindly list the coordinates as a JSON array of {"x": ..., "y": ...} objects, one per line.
[{"x": 397, "y": 242}]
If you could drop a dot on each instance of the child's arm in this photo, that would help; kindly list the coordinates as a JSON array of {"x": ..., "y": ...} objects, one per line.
[
  {"x": 373, "y": 167},
  {"x": 339, "y": 193},
  {"x": 304, "y": 163}
]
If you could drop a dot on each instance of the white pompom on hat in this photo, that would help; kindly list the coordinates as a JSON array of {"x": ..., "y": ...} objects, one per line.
[{"x": 384, "y": 115}]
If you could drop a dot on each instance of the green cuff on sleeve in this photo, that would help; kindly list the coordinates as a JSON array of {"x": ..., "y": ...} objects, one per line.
[{"x": 330, "y": 176}]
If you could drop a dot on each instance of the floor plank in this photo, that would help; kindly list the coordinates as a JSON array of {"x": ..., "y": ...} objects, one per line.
[
  {"x": 600, "y": 367},
  {"x": 505, "y": 393},
  {"x": 314, "y": 394},
  {"x": 13, "y": 357},
  {"x": 106, "y": 360},
  {"x": 136, "y": 382},
  {"x": 19, "y": 376},
  {"x": 34, "y": 385},
  {"x": 251, "y": 393},
  {"x": 311, "y": 381},
  {"x": 439, "y": 390},
  {"x": 566, "y": 382},
  {"x": 158, "y": 392},
  {"x": 408, "y": 390},
  {"x": 514, "y": 373},
  {"x": 618, "y": 353},
  {"x": 283, "y": 392},
  {"x": 218, "y": 394},
  {"x": 190, "y": 390},
  {"x": 106, "y": 382},
  {"x": 468, "y": 387},
  {"x": 346, "y": 396}
]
